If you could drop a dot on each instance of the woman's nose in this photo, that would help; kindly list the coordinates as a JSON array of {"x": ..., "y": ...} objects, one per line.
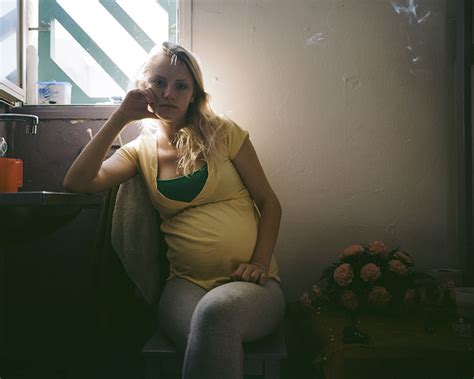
[{"x": 168, "y": 92}]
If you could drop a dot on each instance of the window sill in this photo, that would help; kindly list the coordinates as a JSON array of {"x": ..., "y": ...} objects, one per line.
[{"x": 67, "y": 112}]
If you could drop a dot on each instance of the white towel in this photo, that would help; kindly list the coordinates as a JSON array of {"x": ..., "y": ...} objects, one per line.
[{"x": 134, "y": 236}]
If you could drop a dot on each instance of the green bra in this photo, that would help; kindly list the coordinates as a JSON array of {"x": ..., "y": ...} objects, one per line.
[{"x": 183, "y": 188}]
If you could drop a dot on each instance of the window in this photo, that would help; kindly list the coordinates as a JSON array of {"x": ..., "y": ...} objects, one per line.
[
  {"x": 95, "y": 45},
  {"x": 12, "y": 78}
]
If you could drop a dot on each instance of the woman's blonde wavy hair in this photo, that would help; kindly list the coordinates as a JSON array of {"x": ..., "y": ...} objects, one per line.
[{"x": 199, "y": 138}]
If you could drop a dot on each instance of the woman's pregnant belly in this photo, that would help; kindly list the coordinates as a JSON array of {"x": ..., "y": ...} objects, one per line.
[{"x": 207, "y": 242}]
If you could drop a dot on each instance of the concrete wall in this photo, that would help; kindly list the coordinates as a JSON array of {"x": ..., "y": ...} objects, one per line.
[{"x": 350, "y": 105}]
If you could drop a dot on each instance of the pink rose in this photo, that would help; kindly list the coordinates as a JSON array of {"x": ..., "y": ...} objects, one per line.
[
  {"x": 377, "y": 247},
  {"x": 349, "y": 300},
  {"x": 343, "y": 274},
  {"x": 351, "y": 250},
  {"x": 404, "y": 257},
  {"x": 379, "y": 296},
  {"x": 398, "y": 267},
  {"x": 370, "y": 272}
]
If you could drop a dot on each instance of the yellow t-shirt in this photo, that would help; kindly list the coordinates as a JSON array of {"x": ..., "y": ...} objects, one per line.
[{"x": 211, "y": 235}]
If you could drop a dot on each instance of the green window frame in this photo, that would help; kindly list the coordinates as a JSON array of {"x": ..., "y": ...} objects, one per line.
[{"x": 48, "y": 70}]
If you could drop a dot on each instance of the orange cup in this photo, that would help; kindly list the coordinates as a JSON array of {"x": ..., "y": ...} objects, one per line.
[{"x": 11, "y": 174}]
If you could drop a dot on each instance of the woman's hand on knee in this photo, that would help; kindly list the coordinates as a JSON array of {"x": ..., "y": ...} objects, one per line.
[{"x": 250, "y": 272}]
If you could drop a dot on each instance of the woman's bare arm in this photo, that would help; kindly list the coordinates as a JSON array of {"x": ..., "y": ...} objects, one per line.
[
  {"x": 90, "y": 173},
  {"x": 253, "y": 176}
]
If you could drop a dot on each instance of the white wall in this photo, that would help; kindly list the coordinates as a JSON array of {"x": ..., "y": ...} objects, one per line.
[{"x": 355, "y": 133}]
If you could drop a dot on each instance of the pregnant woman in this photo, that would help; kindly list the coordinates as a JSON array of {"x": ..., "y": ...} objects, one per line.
[{"x": 220, "y": 215}]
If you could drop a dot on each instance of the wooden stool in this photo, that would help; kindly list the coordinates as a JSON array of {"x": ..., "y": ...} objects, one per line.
[{"x": 261, "y": 358}]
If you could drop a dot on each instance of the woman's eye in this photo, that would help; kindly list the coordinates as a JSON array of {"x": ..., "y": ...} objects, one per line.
[
  {"x": 182, "y": 86},
  {"x": 158, "y": 82}
]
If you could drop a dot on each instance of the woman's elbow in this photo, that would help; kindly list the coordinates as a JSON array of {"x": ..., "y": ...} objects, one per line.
[
  {"x": 71, "y": 185},
  {"x": 271, "y": 204},
  {"x": 68, "y": 185},
  {"x": 277, "y": 206}
]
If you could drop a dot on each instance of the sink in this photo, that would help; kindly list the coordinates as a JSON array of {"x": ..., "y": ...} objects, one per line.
[{"x": 29, "y": 215}]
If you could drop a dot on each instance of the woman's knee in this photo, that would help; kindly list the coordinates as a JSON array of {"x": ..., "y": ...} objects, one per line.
[
  {"x": 236, "y": 304},
  {"x": 212, "y": 312}
]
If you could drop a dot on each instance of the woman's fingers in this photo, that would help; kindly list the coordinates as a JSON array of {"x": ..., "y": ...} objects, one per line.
[
  {"x": 149, "y": 96},
  {"x": 249, "y": 273},
  {"x": 150, "y": 99},
  {"x": 137, "y": 104},
  {"x": 263, "y": 278},
  {"x": 255, "y": 275},
  {"x": 237, "y": 274}
]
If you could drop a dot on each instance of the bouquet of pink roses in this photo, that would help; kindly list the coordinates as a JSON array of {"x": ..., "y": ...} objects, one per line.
[{"x": 367, "y": 277}]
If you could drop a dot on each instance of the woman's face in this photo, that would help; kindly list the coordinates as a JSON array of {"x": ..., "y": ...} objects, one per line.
[{"x": 173, "y": 87}]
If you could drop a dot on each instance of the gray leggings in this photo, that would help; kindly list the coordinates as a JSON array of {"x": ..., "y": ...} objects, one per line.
[{"x": 208, "y": 327}]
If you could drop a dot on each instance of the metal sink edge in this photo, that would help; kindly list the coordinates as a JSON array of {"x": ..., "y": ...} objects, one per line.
[{"x": 44, "y": 198}]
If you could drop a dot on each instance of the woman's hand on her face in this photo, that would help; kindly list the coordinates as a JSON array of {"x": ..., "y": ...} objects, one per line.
[
  {"x": 136, "y": 105},
  {"x": 250, "y": 272}
]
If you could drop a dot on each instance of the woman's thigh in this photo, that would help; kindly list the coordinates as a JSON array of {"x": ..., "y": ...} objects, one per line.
[
  {"x": 177, "y": 304},
  {"x": 250, "y": 310}
]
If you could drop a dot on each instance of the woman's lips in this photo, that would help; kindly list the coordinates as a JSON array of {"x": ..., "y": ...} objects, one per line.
[{"x": 167, "y": 106}]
